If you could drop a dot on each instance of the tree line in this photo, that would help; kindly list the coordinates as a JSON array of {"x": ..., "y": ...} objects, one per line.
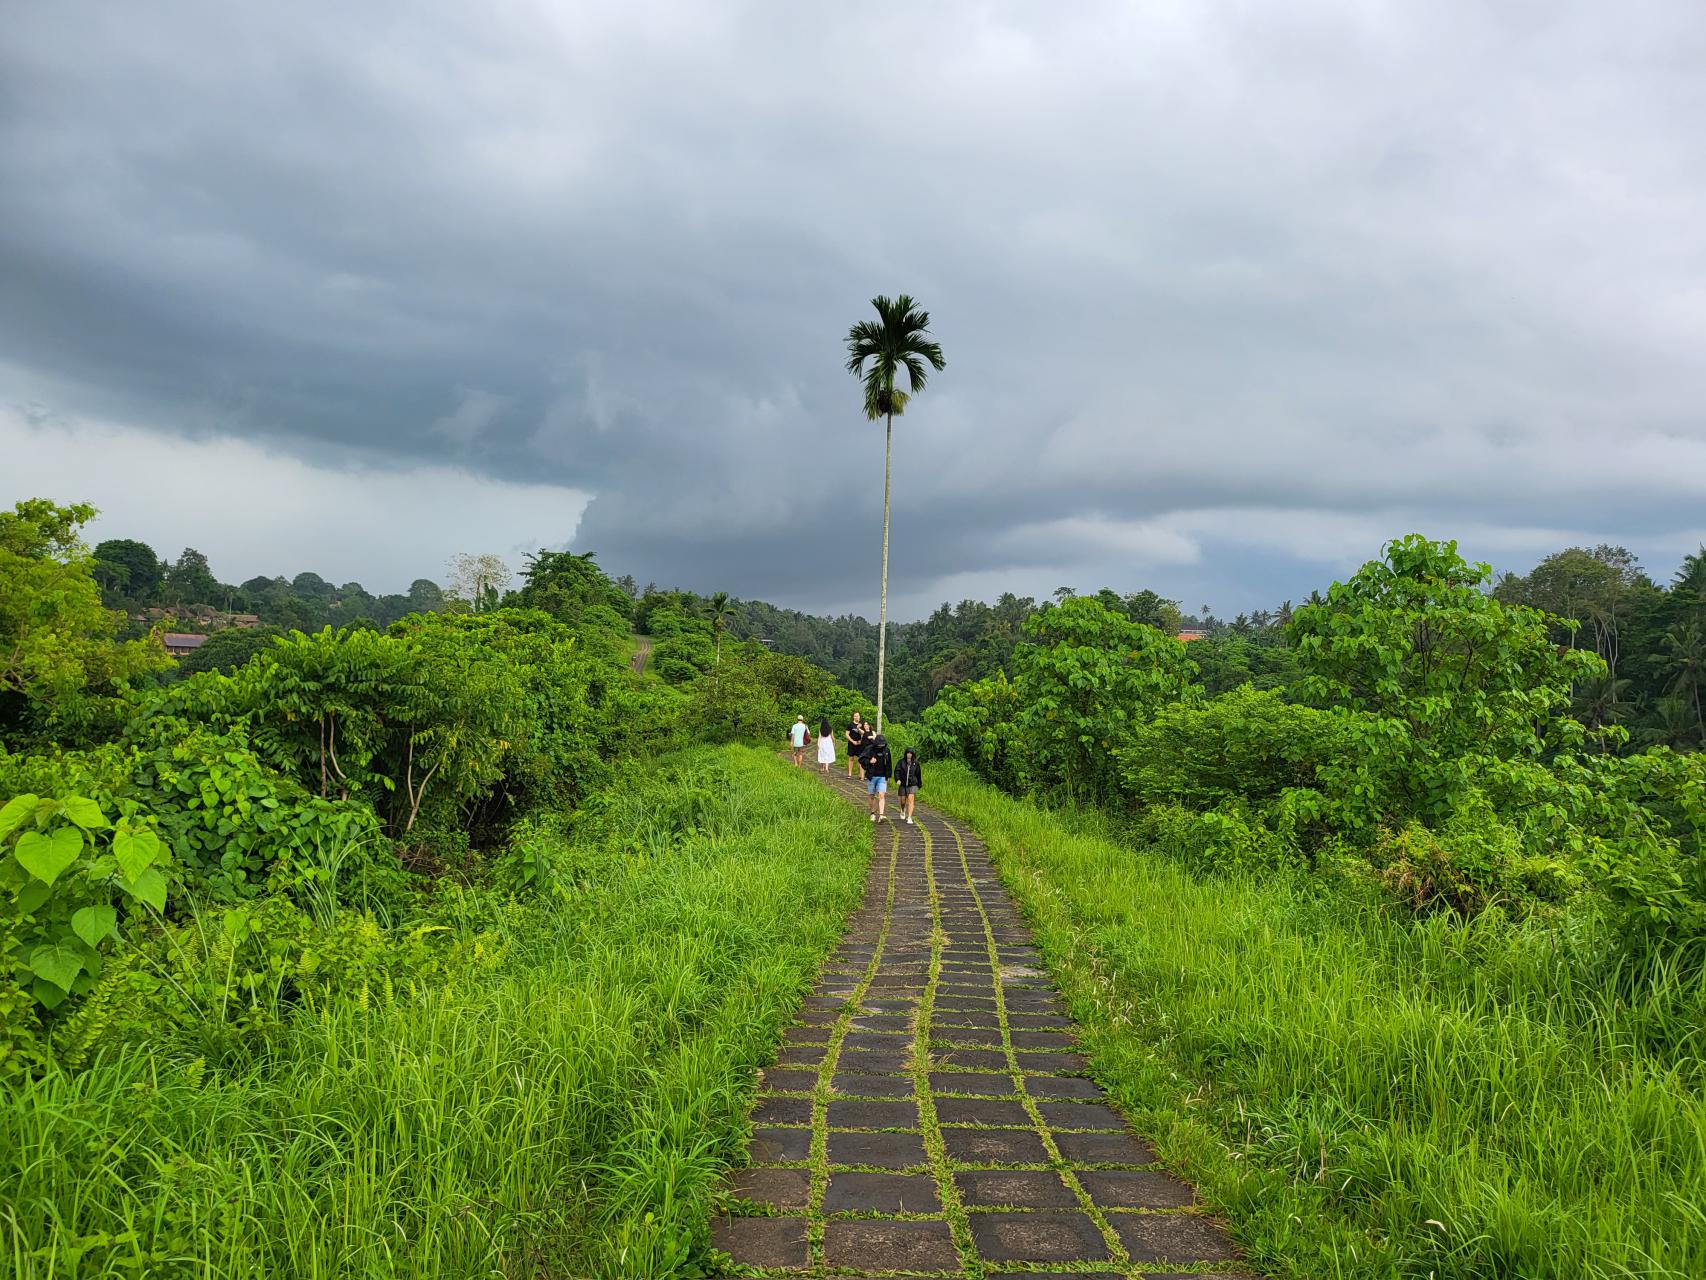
[
  {"x": 1426, "y": 746},
  {"x": 1651, "y": 635},
  {"x": 133, "y": 578}
]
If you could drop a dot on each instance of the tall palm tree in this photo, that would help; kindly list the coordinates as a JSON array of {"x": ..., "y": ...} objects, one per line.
[
  {"x": 877, "y": 350},
  {"x": 719, "y": 609}
]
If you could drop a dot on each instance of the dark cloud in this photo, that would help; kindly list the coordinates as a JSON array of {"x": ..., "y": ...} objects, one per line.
[{"x": 1229, "y": 292}]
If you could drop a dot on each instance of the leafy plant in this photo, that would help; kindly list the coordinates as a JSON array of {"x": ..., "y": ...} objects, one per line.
[{"x": 69, "y": 877}]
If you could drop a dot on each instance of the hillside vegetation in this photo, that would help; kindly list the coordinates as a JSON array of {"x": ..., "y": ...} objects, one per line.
[
  {"x": 389, "y": 952},
  {"x": 1403, "y": 970}
]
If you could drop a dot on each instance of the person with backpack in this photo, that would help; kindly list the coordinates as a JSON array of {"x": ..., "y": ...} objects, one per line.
[
  {"x": 825, "y": 746},
  {"x": 877, "y": 764},
  {"x": 797, "y": 740},
  {"x": 855, "y": 742},
  {"x": 908, "y": 777}
]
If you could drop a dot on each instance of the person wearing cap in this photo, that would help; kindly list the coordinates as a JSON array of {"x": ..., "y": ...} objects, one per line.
[
  {"x": 797, "y": 739},
  {"x": 876, "y": 763}
]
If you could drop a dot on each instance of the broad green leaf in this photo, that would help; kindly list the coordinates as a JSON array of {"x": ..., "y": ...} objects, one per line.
[
  {"x": 94, "y": 923},
  {"x": 135, "y": 851},
  {"x": 47, "y": 994},
  {"x": 17, "y": 812},
  {"x": 32, "y": 894},
  {"x": 150, "y": 887},
  {"x": 84, "y": 812},
  {"x": 57, "y": 963},
  {"x": 47, "y": 856}
]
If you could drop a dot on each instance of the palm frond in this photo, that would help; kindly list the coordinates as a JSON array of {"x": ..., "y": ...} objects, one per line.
[{"x": 878, "y": 350}]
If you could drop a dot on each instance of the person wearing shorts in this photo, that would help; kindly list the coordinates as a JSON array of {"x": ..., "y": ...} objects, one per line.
[
  {"x": 797, "y": 740},
  {"x": 877, "y": 764},
  {"x": 908, "y": 777}
]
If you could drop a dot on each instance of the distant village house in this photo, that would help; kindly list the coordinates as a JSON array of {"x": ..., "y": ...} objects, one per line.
[{"x": 181, "y": 644}]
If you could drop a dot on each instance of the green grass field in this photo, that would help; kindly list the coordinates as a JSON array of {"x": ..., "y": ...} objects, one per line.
[
  {"x": 560, "y": 1103},
  {"x": 1363, "y": 1095}
]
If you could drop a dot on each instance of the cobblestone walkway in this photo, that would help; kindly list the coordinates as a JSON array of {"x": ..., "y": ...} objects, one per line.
[{"x": 930, "y": 1113}]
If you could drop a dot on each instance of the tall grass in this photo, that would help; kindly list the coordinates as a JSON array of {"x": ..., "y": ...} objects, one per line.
[
  {"x": 1366, "y": 1095},
  {"x": 559, "y": 1105}
]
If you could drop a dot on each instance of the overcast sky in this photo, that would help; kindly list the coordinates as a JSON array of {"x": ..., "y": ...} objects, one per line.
[{"x": 1230, "y": 292}]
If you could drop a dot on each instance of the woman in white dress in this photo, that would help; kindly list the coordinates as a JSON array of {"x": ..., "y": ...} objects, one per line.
[{"x": 825, "y": 747}]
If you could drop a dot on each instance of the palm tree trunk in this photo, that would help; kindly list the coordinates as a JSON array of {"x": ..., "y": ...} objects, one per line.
[{"x": 883, "y": 606}]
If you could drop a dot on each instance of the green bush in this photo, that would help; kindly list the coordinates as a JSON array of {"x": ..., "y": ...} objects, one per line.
[
  {"x": 973, "y": 723},
  {"x": 1228, "y": 838},
  {"x": 237, "y": 827},
  {"x": 1245, "y": 745},
  {"x": 1089, "y": 678}
]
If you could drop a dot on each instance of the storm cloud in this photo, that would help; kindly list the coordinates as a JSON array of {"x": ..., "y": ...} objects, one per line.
[{"x": 1230, "y": 292}]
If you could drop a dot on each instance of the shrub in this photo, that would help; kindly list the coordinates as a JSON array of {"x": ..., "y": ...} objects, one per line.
[
  {"x": 1229, "y": 838},
  {"x": 236, "y": 826},
  {"x": 974, "y": 723},
  {"x": 1244, "y": 744}
]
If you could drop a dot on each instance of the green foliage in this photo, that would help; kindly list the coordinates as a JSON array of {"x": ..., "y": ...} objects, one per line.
[
  {"x": 1361, "y": 1092},
  {"x": 570, "y": 587},
  {"x": 578, "y": 1066},
  {"x": 68, "y": 877},
  {"x": 55, "y": 637},
  {"x": 974, "y": 722},
  {"x": 1655, "y": 875},
  {"x": 1440, "y": 688},
  {"x": 190, "y": 580},
  {"x": 1089, "y": 679},
  {"x": 1412, "y": 639},
  {"x": 227, "y": 649},
  {"x": 682, "y": 656},
  {"x": 1228, "y": 838},
  {"x": 1246, "y": 744},
  {"x": 1230, "y": 660},
  {"x": 239, "y": 828},
  {"x": 1433, "y": 759},
  {"x": 404, "y": 723},
  {"x": 127, "y": 570},
  {"x": 753, "y": 695},
  {"x": 879, "y": 351}
]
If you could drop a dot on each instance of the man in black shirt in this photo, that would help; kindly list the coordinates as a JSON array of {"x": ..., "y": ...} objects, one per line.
[{"x": 877, "y": 764}]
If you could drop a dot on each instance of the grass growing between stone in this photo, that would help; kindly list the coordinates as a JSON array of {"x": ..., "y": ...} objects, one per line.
[
  {"x": 1363, "y": 1095},
  {"x": 558, "y": 1101}
]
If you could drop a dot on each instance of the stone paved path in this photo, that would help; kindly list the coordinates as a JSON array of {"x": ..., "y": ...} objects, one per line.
[{"x": 930, "y": 1113}]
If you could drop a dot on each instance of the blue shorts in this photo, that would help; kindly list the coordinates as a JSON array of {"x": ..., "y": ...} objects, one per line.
[{"x": 876, "y": 786}]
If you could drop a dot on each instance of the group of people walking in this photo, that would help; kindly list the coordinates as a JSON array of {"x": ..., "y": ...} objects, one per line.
[{"x": 868, "y": 756}]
